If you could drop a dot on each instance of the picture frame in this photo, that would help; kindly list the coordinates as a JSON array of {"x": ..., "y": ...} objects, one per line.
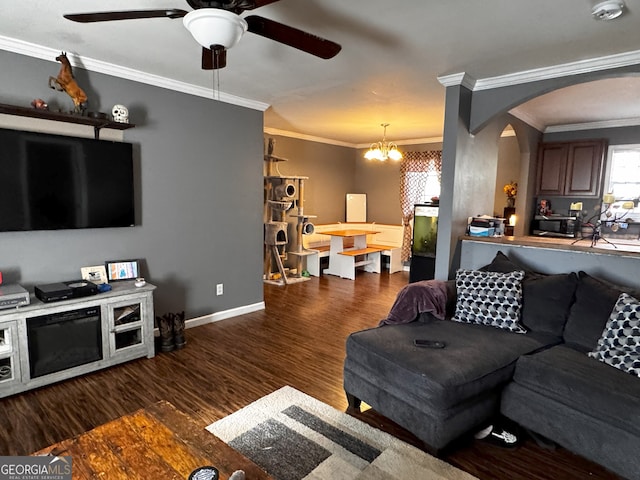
[
  {"x": 118, "y": 270},
  {"x": 96, "y": 274}
]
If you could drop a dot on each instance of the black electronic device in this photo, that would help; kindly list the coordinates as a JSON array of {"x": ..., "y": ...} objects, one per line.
[
  {"x": 51, "y": 182},
  {"x": 54, "y": 292},
  {"x": 82, "y": 288},
  {"x": 419, "y": 342},
  {"x": 555, "y": 226}
]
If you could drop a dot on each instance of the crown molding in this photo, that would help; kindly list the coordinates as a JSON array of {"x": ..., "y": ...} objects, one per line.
[
  {"x": 626, "y": 122},
  {"x": 563, "y": 70},
  {"x": 310, "y": 138},
  {"x": 528, "y": 119},
  {"x": 461, "y": 78},
  {"x": 555, "y": 71},
  {"x": 45, "y": 53}
]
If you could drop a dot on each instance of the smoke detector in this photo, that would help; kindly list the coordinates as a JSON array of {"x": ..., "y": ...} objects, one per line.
[{"x": 607, "y": 10}]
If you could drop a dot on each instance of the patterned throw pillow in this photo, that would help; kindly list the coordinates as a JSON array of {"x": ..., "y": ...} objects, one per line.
[
  {"x": 619, "y": 345},
  {"x": 489, "y": 298}
]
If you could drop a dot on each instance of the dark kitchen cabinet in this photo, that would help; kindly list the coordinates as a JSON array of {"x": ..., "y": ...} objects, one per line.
[{"x": 570, "y": 169}]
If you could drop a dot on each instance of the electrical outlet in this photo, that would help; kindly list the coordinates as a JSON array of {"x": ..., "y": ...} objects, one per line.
[{"x": 219, "y": 289}]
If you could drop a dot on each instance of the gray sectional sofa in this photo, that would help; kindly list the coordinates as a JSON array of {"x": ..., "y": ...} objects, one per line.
[{"x": 543, "y": 379}]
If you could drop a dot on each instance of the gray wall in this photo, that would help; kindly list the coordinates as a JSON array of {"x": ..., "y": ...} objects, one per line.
[
  {"x": 199, "y": 186},
  {"x": 381, "y": 182},
  {"x": 334, "y": 171},
  {"x": 330, "y": 170}
]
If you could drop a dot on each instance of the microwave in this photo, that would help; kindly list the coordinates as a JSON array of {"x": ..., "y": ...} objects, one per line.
[{"x": 555, "y": 226}]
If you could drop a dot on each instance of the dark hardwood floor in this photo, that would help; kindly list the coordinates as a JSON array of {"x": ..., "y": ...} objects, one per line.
[{"x": 297, "y": 340}]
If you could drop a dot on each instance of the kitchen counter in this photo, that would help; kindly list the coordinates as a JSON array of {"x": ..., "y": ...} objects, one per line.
[
  {"x": 619, "y": 264},
  {"x": 621, "y": 247}
]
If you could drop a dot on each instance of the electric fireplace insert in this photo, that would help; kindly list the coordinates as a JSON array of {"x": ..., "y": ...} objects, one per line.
[{"x": 64, "y": 340}]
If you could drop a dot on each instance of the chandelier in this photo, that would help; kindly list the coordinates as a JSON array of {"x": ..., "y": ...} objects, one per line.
[{"x": 383, "y": 150}]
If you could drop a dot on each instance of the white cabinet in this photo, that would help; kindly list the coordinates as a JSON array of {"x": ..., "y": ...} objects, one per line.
[
  {"x": 9, "y": 359},
  {"x": 103, "y": 330},
  {"x": 127, "y": 329}
]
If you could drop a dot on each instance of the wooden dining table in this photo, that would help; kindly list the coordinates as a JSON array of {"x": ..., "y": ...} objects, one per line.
[{"x": 339, "y": 263}]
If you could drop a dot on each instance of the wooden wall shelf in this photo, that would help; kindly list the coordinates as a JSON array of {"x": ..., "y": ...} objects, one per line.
[{"x": 96, "y": 123}]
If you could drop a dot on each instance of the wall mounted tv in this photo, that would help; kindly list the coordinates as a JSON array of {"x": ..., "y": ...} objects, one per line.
[{"x": 51, "y": 182}]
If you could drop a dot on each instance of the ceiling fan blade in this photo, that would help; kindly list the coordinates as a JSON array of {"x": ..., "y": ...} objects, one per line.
[
  {"x": 260, "y": 3},
  {"x": 214, "y": 58},
  {"x": 293, "y": 37},
  {"x": 126, "y": 15}
]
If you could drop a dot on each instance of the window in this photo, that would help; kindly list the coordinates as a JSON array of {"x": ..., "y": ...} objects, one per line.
[
  {"x": 419, "y": 182},
  {"x": 624, "y": 172},
  {"x": 421, "y": 187}
]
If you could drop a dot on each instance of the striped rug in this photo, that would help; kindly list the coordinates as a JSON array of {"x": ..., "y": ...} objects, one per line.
[{"x": 293, "y": 436}]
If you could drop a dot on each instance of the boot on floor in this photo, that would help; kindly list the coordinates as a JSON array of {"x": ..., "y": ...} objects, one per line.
[
  {"x": 178, "y": 330},
  {"x": 165, "y": 325}
]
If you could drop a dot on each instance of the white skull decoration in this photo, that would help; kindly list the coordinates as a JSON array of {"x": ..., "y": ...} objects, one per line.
[{"x": 120, "y": 114}]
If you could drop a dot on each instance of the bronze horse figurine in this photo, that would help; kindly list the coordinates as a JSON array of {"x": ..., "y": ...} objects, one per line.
[{"x": 65, "y": 82}]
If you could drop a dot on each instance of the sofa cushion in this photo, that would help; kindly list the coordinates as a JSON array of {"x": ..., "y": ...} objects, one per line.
[
  {"x": 546, "y": 299},
  {"x": 546, "y": 302},
  {"x": 572, "y": 378},
  {"x": 489, "y": 298},
  {"x": 502, "y": 263},
  {"x": 619, "y": 345},
  {"x": 475, "y": 359},
  {"x": 594, "y": 302}
]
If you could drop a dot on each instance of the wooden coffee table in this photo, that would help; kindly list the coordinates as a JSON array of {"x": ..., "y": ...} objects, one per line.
[{"x": 156, "y": 442}]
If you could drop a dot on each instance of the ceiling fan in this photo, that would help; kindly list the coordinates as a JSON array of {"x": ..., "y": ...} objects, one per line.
[{"x": 217, "y": 26}]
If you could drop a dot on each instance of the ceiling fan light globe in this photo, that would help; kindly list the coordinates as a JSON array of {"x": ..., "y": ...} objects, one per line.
[{"x": 212, "y": 26}]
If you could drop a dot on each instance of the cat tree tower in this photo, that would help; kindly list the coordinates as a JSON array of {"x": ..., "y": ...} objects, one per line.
[{"x": 283, "y": 193}]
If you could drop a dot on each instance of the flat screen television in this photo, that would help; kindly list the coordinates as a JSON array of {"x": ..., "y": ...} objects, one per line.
[{"x": 51, "y": 182}]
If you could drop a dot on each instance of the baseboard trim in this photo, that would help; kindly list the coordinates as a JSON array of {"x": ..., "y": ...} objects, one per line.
[{"x": 223, "y": 315}]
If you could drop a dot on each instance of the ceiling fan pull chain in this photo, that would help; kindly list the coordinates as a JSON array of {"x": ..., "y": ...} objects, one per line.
[
  {"x": 217, "y": 77},
  {"x": 216, "y": 72},
  {"x": 216, "y": 84}
]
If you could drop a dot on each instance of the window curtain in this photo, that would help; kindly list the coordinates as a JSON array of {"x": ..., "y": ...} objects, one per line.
[{"x": 414, "y": 173}]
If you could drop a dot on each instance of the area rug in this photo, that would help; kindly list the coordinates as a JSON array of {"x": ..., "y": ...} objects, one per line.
[{"x": 293, "y": 436}]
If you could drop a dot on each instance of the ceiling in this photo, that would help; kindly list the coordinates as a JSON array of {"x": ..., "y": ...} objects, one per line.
[{"x": 387, "y": 72}]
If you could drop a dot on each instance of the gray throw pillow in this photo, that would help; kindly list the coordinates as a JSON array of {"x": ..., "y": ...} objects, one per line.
[
  {"x": 502, "y": 263},
  {"x": 546, "y": 302},
  {"x": 489, "y": 298},
  {"x": 589, "y": 313},
  {"x": 546, "y": 299},
  {"x": 619, "y": 345}
]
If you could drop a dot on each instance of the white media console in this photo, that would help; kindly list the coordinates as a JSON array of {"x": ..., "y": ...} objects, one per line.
[{"x": 43, "y": 343}]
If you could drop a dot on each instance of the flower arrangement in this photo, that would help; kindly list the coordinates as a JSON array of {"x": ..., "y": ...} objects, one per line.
[{"x": 511, "y": 189}]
